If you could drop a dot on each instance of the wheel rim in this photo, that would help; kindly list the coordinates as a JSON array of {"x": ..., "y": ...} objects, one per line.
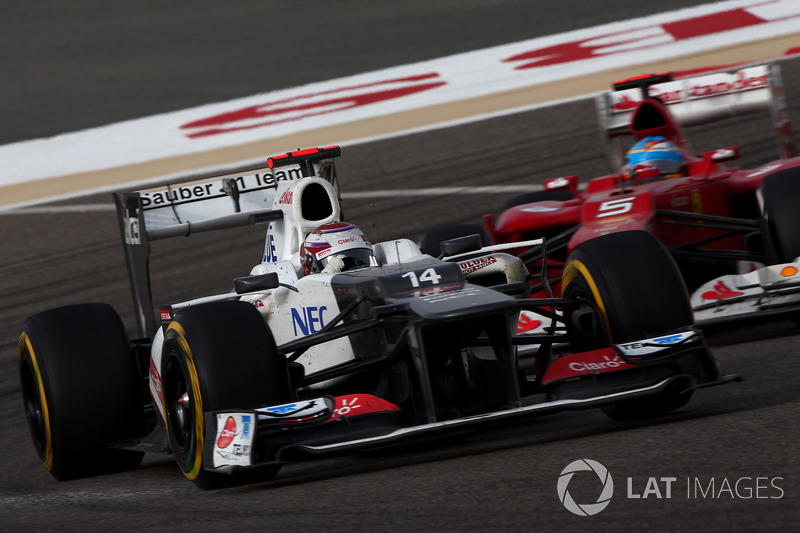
[
  {"x": 180, "y": 406},
  {"x": 34, "y": 410}
]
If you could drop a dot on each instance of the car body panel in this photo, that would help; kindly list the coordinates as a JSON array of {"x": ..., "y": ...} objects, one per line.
[{"x": 711, "y": 219}]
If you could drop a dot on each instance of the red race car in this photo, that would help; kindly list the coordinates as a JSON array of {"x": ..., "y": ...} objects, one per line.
[{"x": 734, "y": 232}]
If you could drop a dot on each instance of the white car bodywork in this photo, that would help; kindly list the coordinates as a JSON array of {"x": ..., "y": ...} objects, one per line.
[
  {"x": 766, "y": 289},
  {"x": 304, "y": 304}
]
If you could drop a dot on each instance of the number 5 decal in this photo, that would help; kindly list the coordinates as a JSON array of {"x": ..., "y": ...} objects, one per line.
[{"x": 615, "y": 207}]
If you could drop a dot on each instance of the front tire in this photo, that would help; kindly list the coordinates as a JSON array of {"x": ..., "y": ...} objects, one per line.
[
  {"x": 638, "y": 290},
  {"x": 780, "y": 193},
  {"x": 217, "y": 356},
  {"x": 633, "y": 280},
  {"x": 81, "y": 390}
]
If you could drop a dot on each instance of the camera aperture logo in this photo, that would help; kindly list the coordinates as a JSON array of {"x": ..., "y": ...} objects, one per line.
[
  {"x": 585, "y": 509},
  {"x": 744, "y": 487}
]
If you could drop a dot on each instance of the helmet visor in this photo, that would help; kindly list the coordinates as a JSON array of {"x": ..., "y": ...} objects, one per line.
[{"x": 353, "y": 258}]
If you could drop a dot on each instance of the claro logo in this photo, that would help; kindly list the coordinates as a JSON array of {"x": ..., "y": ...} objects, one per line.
[{"x": 607, "y": 364}]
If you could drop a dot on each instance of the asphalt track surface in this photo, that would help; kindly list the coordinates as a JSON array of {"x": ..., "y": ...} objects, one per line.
[{"x": 498, "y": 479}]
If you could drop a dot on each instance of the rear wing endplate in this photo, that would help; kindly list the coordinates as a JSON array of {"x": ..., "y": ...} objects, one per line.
[
  {"x": 699, "y": 99},
  {"x": 196, "y": 204}
]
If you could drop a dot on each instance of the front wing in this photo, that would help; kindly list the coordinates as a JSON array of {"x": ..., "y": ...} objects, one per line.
[
  {"x": 772, "y": 289},
  {"x": 248, "y": 439}
]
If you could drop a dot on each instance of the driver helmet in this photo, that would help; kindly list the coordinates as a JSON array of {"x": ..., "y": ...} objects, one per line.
[
  {"x": 658, "y": 153},
  {"x": 335, "y": 247}
]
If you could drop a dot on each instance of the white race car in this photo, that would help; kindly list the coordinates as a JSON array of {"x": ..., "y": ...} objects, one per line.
[{"x": 333, "y": 343}]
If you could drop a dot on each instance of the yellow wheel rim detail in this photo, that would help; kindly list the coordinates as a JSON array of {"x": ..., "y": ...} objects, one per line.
[
  {"x": 570, "y": 271},
  {"x": 23, "y": 345},
  {"x": 193, "y": 468}
]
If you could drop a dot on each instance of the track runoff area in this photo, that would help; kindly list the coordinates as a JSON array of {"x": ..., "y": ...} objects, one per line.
[{"x": 392, "y": 102}]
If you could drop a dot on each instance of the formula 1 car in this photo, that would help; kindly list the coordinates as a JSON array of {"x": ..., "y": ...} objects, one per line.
[
  {"x": 300, "y": 361},
  {"x": 734, "y": 232}
]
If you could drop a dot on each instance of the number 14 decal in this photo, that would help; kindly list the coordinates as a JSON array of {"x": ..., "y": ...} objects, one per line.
[
  {"x": 615, "y": 207},
  {"x": 429, "y": 276}
]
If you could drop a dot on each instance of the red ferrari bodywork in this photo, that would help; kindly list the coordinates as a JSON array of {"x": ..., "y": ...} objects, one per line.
[{"x": 712, "y": 212}]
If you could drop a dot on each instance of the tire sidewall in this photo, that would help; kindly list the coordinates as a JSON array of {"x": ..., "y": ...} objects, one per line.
[
  {"x": 76, "y": 363},
  {"x": 633, "y": 281},
  {"x": 228, "y": 359}
]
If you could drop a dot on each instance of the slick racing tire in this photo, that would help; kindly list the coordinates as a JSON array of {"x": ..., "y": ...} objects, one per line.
[
  {"x": 217, "y": 356},
  {"x": 537, "y": 196},
  {"x": 638, "y": 290},
  {"x": 635, "y": 284},
  {"x": 432, "y": 239},
  {"x": 780, "y": 193},
  {"x": 81, "y": 390}
]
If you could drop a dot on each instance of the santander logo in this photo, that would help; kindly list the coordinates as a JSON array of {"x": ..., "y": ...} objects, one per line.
[
  {"x": 686, "y": 89},
  {"x": 721, "y": 292},
  {"x": 311, "y": 104},
  {"x": 228, "y": 433},
  {"x": 527, "y": 322},
  {"x": 636, "y": 38}
]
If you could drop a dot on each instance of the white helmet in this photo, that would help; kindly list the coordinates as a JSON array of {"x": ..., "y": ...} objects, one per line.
[{"x": 335, "y": 242}]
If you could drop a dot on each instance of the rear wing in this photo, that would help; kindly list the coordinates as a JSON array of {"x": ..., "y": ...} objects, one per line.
[
  {"x": 698, "y": 99},
  {"x": 236, "y": 198}
]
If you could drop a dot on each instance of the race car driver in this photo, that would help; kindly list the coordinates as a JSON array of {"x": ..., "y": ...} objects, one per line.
[
  {"x": 655, "y": 153},
  {"x": 336, "y": 247}
]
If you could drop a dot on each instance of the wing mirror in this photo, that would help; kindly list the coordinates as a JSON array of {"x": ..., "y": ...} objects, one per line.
[
  {"x": 261, "y": 282},
  {"x": 722, "y": 154},
  {"x": 461, "y": 245}
]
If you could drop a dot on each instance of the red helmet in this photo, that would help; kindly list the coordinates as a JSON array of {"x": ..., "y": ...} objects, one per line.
[{"x": 335, "y": 239}]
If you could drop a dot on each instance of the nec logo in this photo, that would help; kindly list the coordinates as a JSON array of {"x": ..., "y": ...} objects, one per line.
[
  {"x": 270, "y": 254},
  {"x": 308, "y": 320}
]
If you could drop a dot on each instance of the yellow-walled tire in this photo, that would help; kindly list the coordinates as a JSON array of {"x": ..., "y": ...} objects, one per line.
[
  {"x": 639, "y": 293},
  {"x": 217, "y": 356},
  {"x": 634, "y": 282},
  {"x": 81, "y": 390}
]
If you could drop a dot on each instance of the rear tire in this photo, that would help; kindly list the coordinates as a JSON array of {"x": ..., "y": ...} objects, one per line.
[
  {"x": 639, "y": 292},
  {"x": 217, "y": 356},
  {"x": 81, "y": 390}
]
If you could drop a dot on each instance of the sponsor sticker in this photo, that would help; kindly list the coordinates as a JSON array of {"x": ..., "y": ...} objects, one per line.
[
  {"x": 656, "y": 344},
  {"x": 584, "y": 363},
  {"x": 234, "y": 441},
  {"x": 301, "y": 410},
  {"x": 468, "y": 267},
  {"x": 360, "y": 404}
]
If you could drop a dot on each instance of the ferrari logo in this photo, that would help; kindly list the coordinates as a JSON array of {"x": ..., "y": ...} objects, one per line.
[{"x": 697, "y": 202}]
